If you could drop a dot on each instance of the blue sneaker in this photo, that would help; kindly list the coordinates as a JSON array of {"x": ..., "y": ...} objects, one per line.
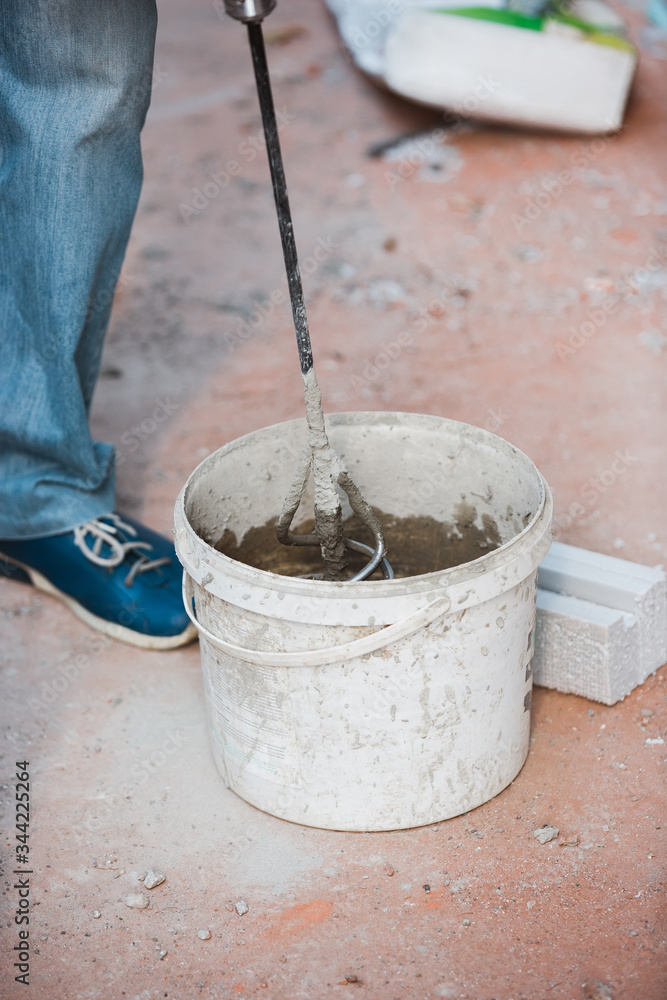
[{"x": 114, "y": 573}]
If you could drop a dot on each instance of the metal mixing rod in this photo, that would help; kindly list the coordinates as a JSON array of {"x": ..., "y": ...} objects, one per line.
[{"x": 327, "y": 468}]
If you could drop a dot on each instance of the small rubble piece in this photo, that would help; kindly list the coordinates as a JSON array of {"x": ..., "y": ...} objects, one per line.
[
  {"x": 595, "y": 990},
  {"x": 96, "y": 914},
  {"x": 162, "y": 954},
  {"x": 646, "y": 713},
  {"x": 388, "y": 869},
  {"x": 349, "y": 979},
  {"x": 153, "y": 877},
  {"x": 137, "y": 901},
  {"x": 427, "y": 888},
  {"x": 204, "y": 935},
  {"x": 545, "y": 833},
  {"x": 241, "y": 907}
]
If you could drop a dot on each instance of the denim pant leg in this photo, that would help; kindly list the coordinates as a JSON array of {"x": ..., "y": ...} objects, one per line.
[{"x": 75, "y": 81}]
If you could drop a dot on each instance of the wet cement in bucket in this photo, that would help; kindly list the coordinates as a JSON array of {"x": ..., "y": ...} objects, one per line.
[{"x": 415, "y": 545}]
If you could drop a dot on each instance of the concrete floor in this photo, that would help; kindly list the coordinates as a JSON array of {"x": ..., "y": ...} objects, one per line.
[{"x": 122, "y": 778}]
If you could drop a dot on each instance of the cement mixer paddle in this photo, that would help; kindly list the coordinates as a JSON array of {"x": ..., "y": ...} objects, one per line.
[{"x": 318, "y": 457}]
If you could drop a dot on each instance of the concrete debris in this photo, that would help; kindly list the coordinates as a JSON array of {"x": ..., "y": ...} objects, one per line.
[
  {"x": 241, "y": 907},
  {"x": 384, "y": 293},
  {"x": 96, "y": 914},
  {"x": 388, "y": 868},
  {"x": 153, "y": 877},
  {"x": 545, "y": 833},
  {"x": 204, "y": 935},
  {"x": 595, "y": 990},
  {"x": 429, "y": 159},
  {"x": 163, "y": 954},
  {"x": 137, "y": 901}
]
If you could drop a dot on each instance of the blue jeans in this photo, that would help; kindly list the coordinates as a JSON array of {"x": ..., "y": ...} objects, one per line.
[{"x": 75, "y": 83}]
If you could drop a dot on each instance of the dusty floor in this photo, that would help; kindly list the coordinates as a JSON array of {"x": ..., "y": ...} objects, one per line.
[{"x": 546, "y": 324}]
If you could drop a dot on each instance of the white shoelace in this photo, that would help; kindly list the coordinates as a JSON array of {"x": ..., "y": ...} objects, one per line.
[{"x": 106, "y": 534}]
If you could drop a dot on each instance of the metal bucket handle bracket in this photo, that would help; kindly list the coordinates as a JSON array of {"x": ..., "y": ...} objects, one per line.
[{"x": 320, "y": 657}]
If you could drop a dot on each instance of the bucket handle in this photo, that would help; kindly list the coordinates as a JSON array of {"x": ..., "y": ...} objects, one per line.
[{"x": 320, "y": 657}]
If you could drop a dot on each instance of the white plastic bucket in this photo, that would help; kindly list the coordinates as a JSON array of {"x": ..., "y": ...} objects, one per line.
[{"x": 377, "y": 705}]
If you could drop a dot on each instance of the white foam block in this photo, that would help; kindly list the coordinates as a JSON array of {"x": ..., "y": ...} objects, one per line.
[
  {"x": 616, "y": 584},
  {"x": 557, "y": 77},
  {"x": 586, "y": 649}
]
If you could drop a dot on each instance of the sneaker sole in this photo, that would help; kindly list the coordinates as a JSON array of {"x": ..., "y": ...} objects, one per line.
[{"x": 114, "y": 631}]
